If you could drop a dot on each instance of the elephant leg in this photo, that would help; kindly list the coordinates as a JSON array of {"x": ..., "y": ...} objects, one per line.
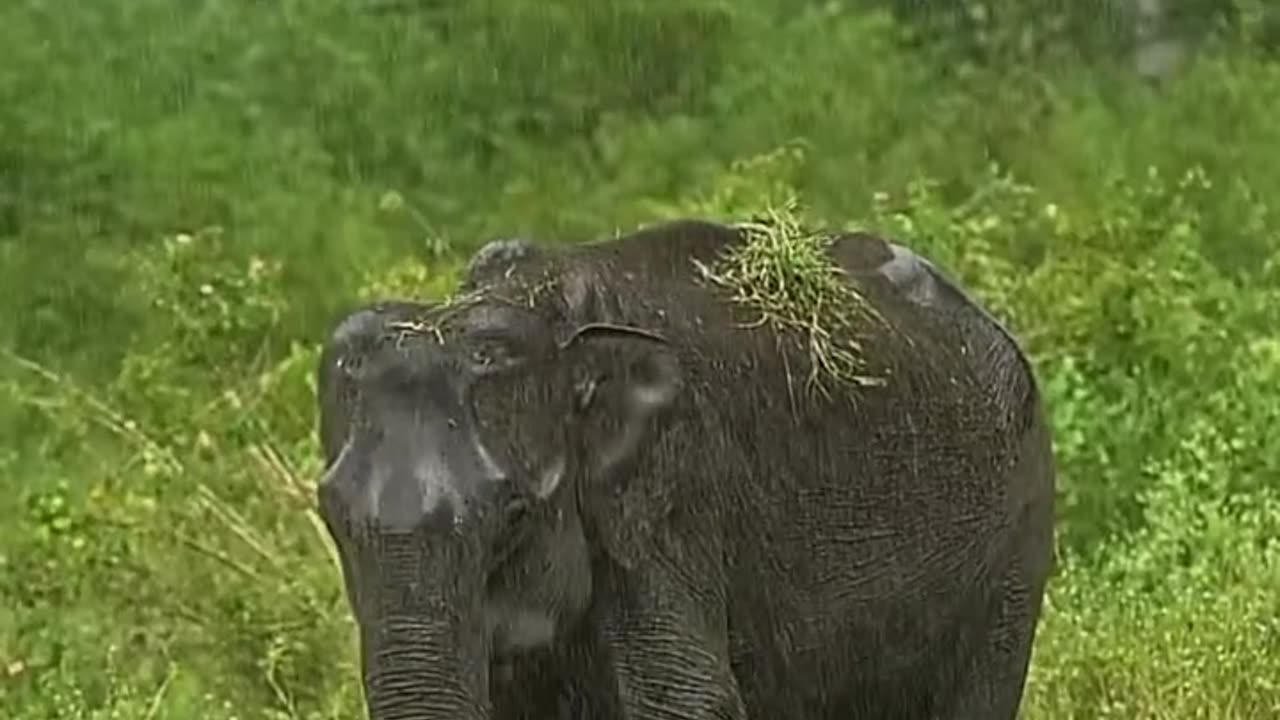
[
  {"x": 992, "y": 686},
  {"x": 669, "y": 660}
]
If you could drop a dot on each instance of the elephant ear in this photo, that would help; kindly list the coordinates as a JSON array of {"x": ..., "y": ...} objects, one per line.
[{"x": 625, "y": 379}]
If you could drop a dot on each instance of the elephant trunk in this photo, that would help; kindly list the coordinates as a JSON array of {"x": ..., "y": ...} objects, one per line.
[{"x": 414, "y": 670}]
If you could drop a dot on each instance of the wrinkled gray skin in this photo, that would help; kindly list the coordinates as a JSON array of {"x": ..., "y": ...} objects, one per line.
[{"x": 620, "y": 501}]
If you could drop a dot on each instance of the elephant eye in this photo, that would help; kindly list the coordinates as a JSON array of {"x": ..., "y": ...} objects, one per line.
[
  {"x": 491, "y": 356},
  {"x": 349, "y": 366},
  {"x": 514, "y": 531},
  {"x": 515, "y": 509}
]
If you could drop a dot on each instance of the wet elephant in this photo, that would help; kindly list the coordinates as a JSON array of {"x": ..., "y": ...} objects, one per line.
[{"x": 591, "y": 487}]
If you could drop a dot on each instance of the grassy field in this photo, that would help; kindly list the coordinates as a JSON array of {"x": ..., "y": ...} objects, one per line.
[{"x": 190, "y": 192}]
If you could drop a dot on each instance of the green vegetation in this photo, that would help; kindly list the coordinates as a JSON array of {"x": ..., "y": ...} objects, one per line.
[
  {"x": 191, "y": 192},
  {"x": 782, "y": 271}
]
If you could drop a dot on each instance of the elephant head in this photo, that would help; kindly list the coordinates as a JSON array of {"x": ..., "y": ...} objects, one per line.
[{"x": 460, "y": 445}]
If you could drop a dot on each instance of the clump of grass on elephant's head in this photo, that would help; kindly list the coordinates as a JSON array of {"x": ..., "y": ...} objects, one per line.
[{"x": 784, "y": 272}]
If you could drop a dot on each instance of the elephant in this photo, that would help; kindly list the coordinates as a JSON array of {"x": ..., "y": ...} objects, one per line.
[{"x": 593, "y": 485}]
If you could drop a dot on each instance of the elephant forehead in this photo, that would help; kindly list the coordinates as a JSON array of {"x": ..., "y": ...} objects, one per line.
[
  {"x": 412, "y": 474},
  {"x": 403, "y": 492},
  {"x": 503, "y": 320}
]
